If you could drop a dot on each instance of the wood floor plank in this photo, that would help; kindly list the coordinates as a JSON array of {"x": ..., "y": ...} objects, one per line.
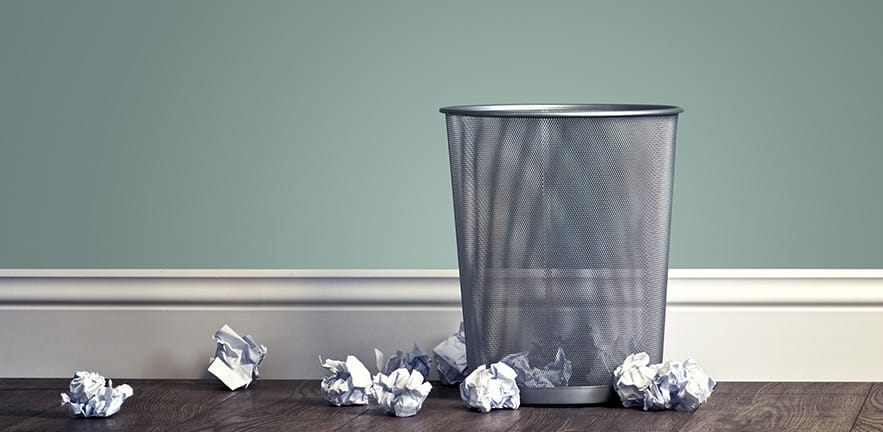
[
  {"x": 17, "y": 406},
  {"x": 617, "y": 418},
  {"x": 608, "y": 417},
  {"x": 32, "y": 405},
  {"x": 871, "y": 417},
  {"x": 781, "y": 412},
  {"x": 59, "y": 384},
  {"x": 155, "y": 405},
  {"x": 443, "y": 411},
  {"x": 274, "y": 405},
  {"x": 558, "y": 419},
  {"x": 832, "y": 388}
]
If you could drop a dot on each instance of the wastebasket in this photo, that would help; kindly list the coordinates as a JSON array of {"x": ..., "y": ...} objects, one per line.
[{"x": 562, "y": 215}]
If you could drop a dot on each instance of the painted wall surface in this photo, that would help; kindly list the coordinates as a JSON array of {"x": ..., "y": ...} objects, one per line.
[{"x": 295, "y": 134}]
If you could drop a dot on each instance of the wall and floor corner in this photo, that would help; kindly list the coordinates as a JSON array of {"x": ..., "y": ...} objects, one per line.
[{"x": 742, "y": 325}]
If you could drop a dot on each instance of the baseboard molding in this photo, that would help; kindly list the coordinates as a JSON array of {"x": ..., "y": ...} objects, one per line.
[{"x": 741, "y": 324}]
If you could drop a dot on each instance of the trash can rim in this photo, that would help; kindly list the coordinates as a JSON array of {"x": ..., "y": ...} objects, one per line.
[{"x": 562, "y": 110}]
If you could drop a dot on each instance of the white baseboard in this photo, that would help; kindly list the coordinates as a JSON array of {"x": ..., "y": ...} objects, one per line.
[{"x": 740, "y": 324}]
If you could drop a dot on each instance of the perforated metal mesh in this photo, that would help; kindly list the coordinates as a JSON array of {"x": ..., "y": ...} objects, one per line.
[{"x": 562, "y": 233}]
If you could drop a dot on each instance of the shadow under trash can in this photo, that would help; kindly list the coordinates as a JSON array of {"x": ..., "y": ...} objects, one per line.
[{"x": 562, "y": 215}]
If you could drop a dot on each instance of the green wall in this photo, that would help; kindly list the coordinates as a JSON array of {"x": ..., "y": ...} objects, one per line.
[{"x": 232, "y": 134}]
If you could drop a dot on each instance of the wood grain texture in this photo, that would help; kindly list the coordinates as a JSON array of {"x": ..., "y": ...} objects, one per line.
[
  {"x": 156, "y": 405},
  {"x": 619, "y": 419},
  {"x": 17, "y": 406},
  {"x": 274, "y": 405},
  {"x": 33, "y": 384},
  {"x": 783, "y": 412},
  {"x": 610, "y": 417},
  {"x": 559, "y": 419},
  {"x": 268, "y": 405},
  {"x": 853, "y": 388},
  {"x": 443, "y": 411},
  {"x": 871, "y": 417}
]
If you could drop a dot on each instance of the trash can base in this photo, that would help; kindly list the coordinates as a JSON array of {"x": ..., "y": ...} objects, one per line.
[{"x": 581, "y": 395}]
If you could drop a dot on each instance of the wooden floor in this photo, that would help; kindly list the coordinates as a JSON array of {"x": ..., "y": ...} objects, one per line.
[{"x": 32, "y": 405}]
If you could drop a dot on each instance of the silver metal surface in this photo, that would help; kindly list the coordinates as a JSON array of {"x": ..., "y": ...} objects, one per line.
[
  {"x": 562, "y": 110},
  {"x": 562, "y": 218},
  {"x": 583, "y": 395}
]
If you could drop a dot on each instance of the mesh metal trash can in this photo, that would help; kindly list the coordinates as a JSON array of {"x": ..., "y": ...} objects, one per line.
[{"x": 562, "y": 215}]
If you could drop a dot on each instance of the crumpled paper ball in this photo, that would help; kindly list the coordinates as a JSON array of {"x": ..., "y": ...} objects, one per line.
[
  {"x": 555, "y": 374},
  {"x": 670, "y": 385},
  {"x": 415, "y": 360},
  {"x": 400, "y": 393},
  {"x": 450, "y": 358},
  {"x": 237, "y": 359},
  {"x": 91, "y": 395},
  {"x": 348, "y": 383},
  {"x": 491, "y": 388}
]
